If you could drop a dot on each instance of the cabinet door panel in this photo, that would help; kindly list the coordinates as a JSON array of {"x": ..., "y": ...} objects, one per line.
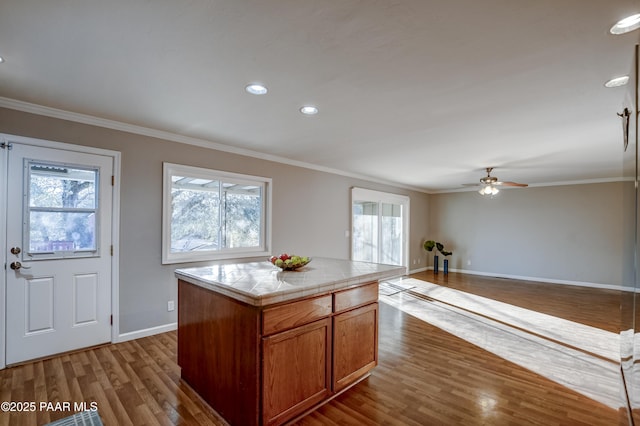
[
  {"x": 355, "y": 343},
  {"x": 295, "y": 372}
]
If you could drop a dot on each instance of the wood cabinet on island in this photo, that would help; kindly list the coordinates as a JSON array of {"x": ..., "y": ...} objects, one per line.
[{"x": 263, "y": 346}]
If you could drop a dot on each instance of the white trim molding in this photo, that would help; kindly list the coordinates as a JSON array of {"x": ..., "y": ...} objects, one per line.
[
  {"x": 541, "y": 280},
  {"x": 152, "y": 331}
]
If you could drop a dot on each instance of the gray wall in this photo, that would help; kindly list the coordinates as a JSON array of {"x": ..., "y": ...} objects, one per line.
[
  {"x": 571, "y": 233},
  {"x": 311, "y": 209}
]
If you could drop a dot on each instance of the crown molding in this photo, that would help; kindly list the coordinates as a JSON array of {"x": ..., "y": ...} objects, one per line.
[
  {"x": 174, "y": 137},
  {"x": 203, "y": 143}
]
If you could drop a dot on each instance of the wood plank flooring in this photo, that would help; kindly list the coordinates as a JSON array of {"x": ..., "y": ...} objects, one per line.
[
  {"x": 133, "y": 383},
  {"x": 595, "y": 307},
  {"x": 425, "y": 376}
]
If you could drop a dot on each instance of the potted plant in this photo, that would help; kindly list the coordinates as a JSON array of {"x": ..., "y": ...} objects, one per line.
[{"x": 429, "y": 246}]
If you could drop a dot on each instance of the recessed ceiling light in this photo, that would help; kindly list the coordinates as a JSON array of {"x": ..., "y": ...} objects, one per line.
[
  {"x": 1, "y": 59},
  {"x": 617, "y": 82},
  {"x": 626, "y": 25},
  {"x": 256, "y": 89},
  {"x": 309, "y": 110}
]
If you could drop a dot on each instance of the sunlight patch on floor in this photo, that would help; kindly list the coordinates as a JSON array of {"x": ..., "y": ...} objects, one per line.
[{"x": 582, "y": 358}]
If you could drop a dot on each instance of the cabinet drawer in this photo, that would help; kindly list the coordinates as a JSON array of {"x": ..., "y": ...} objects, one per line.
[
  {"x": 355, "y": 297},
  {"x": 294, "y": 314}
]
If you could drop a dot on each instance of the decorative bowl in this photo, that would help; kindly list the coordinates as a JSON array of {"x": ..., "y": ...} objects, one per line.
[{"x": 289, "y": 262}]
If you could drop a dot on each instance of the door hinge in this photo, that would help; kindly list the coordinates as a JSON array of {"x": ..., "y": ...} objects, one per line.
[
  {"x": 7, "y": 145},
  {"x": 111, "y": 319},
  {"x": 113, "y": 180},
  {"x": 111, "y": 250}
]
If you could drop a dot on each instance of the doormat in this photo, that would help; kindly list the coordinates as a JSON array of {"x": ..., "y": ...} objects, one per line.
[{"x": 84, "y": 418}]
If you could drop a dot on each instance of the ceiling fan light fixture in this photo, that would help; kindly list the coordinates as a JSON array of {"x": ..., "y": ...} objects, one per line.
[
  {"x": 489, "y": 190},
  {"x": 489, "y": 184},
  {"x": 628, "y": 24},
  {"x": 617, "y": 82}
]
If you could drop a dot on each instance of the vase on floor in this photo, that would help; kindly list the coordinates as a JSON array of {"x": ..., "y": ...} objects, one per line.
[
  {"x": 445, "y": 269},
  {"x": 435, "y": 264}
]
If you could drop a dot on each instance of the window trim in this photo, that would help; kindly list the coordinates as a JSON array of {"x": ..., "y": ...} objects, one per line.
[
  {"x": 169, "y": 170},
  {"x": 27, "y": 209}
]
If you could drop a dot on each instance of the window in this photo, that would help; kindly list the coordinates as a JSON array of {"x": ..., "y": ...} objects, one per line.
[
  {"x": 210, "y": 215},
  {"x": 61, "y": 209}
]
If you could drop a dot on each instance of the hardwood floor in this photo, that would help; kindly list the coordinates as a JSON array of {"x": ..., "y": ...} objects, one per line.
[
  {"x": 429, "y": 377},
  {"x": 425, "y": 375},
  {"x": 133, "y": 383},
  {"x": 595, "y": 307}
]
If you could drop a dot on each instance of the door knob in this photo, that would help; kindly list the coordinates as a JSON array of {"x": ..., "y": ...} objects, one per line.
[
  {"x": 15, "y": 250},
  {"x": 17, "y": 265}
]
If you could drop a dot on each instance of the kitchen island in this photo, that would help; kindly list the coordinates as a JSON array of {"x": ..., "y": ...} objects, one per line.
[{"x": 262, "y": 346}]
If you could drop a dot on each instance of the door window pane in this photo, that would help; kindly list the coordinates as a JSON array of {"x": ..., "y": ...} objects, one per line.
[
  {"x": 391, "y": 234},
  {"x": 61, "y": 208},
  {"x": 61, "y": 187},
  {"x": 365, "y": 231},
  {"x": 61, "y": 231}
]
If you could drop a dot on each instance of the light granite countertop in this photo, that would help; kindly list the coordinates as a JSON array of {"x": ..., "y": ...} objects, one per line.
[{"x": 262, "y": 284}]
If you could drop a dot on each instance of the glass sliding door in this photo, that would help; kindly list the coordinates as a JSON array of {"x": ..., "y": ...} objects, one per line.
[
  {"x": 365, "y": 231},
  {"x": 391, "y": 244},
  {"x": 379, "y": 227}
]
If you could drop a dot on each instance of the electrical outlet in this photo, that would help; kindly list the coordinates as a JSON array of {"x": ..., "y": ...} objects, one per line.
[
  {"x": 171, "y": 305},
  {"x": 469, "y": 262}
]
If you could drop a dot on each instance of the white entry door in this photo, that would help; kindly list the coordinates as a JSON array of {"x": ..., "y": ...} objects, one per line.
[{"x": 58, "y": 274}]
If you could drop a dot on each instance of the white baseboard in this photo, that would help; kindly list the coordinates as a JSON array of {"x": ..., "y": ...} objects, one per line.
[
  {"x": 542, "y": 280},
  {"x": 415, "y": 271},
  {"x": 132, "y": 335}
]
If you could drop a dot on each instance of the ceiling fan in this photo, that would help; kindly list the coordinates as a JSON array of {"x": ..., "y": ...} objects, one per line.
[{"x": 490, "y": 183}]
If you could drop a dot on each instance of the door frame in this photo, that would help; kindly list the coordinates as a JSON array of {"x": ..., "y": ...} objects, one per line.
[
  {"x": 5, "y": 145},
  {"x": 362, "y": 194}
]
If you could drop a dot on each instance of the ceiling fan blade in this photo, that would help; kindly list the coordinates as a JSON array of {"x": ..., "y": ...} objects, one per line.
[
  {"x": 520, "y": 185},
  {"x": 490, "y": 181}
]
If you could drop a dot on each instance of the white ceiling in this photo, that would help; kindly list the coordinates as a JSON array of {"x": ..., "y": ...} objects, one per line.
[{"x": 421, "y": 93}]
